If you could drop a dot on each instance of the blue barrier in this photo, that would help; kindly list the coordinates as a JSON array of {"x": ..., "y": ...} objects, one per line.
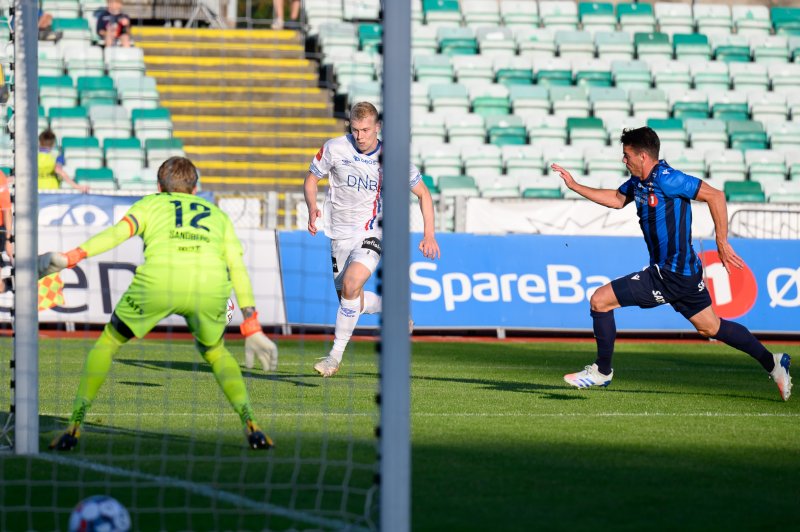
[{"x": 545, "y": 282}]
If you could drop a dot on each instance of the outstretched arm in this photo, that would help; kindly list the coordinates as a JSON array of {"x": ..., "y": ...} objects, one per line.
[
  {"x": 429, "y": 247},
  {"x": 310, "y": 191},
  {"x": 602, "y": 196},
  {"x": 715, "y": 199}
]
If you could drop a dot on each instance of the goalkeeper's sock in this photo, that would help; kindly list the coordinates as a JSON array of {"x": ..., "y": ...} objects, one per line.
[
  {"x": 738, "y": 336},
  {"x": 605, "y": 334},
  {"x": 229, "y": 377},
  {"x": 346, "y": 319},
  {"x": 95, "y": 369},
  {"x": 372, "y": 303}
]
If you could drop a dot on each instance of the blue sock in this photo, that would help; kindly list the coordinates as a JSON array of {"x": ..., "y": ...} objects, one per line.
[
  {"x": 736, "y": 335},
  {"x": 605, "y": 333}
]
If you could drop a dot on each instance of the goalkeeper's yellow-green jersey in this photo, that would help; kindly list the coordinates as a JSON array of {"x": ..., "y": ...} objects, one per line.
[{"x": 189, "y": 243}]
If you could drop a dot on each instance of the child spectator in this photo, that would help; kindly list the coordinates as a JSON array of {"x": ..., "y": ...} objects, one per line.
[
  {"x": 51, "y": 169},
  {"x": 278, "y": 22},
  {"x": 113, "y": 26}
]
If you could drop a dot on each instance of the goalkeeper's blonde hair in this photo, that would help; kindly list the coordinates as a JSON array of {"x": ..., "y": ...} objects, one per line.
[{"x": 177, "y": 174}]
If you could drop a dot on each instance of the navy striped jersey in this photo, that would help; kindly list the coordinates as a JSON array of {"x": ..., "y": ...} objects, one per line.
[{"x": 663, "y": 203}]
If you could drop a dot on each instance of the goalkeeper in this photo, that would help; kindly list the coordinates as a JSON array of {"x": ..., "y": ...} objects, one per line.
[{"x": 191, "y": 258}]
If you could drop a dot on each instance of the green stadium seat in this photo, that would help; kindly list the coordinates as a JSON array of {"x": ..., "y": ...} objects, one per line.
[
  {"x": 74, "y": 31},
  {"x": 726, "y": 165},
  {"x": 744, "y": 191},
  {"x": 604, "y": 162},
  {"x": 609, "y": 102},
  {"x": 433, "y": 68},
  {"x": 689, "y": 104},
  {"x": 84, "y": 61},
  {"x": 449, "y": 97},
  {"x": 370, "y": 37},
  {"x": 506, "y": 130},
  {"x": 747, "y": 135},
  {"x": 710, "y": 75},
  {"x": 593, "y": 73},
  {"x": 784, "y": 136},
  {"x": 770, "y": 48},
  {"x": 597, "y": 16},
  {"x": 420, "y": 102},
  {"x": 559, "y": 14},
  {"x": 672, "y": 75},
  {"x": 123, "y": 153},
  {"x": 487, "y": 100},
  {"x": 636, "y": 17},
  {"x": 480, "y": 13},
  {"x": 785, "y": 19},
  {"x": 692, "y": 46},
  {"x": 429, "y": 182},
  {"x": 751, "y": 19},
  {"x": 784, "y": 78},
  {"x": 428, "y": 128},
  {"x": 650, "y": 46},
  {"x": 614, "y": 45},
  {"x": 496, "y": 41},
  {"x": 152, "y": 123},
  {"x": 62, "y": 8},
  {"x": 138, "y": 92},
  {"x": 57, "y": 91},
  {"x": 731, "y": 48},
  {"x": 465, "y": 129},
  {"x": 631, "y": 74},
  {"x": 674, "y": 18},
  {"x": 110, "y": 121},
  {"x": 497, "y": 186},
  {"x": 96, "y": 178},
  {"x": 473, "y": 69},
  {"x": 522, "y": 160},
  {"x": 457, "y": 185},
  {"x": 536, "y": 42},
  {"x": 124, "y": 62},
  {"x": 689, "y": 160},
  {"x": 159, "y": 150},
  {"x": 423, "y": 41},
  {"x": 51, "y": 62},
  {"x": 749, "y": 76},
  {"x": 457, "y": 41},
  {"x": 92, "y": 88},
  {"x": 547, "y": 130},
  {"x": 482, "y": 160},
  {"x": 586, "y": 132},
  {"x": 712, "y": 18},
  {"x": 514, "y": 76},
  {"x": 542, "y": 193},
  {"x": 782, "y": 191},
  {"x": 765, "y": 165},
  {"x": 519, "y": 13},
  {"x": 671, "y": 133},
  {"x": 69, "y": 121},
  {"x": 441, "y": 12},
  {"x": 574, "y": 43},
  {"x": 570, "y": 101},
  {"x": 81, "y": 152},
  {"x": 648, "y": 103},
  {"x": 444, "y": 159},
  {"x": 768, "y": 107},
  {"x": 708, "y": 134},
  {"x": 529, "y": 100}
]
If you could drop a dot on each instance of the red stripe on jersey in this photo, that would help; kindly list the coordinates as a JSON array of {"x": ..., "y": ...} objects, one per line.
[
  {"x": 369, "y": 223},
  {"x": 320, "y": 152}
]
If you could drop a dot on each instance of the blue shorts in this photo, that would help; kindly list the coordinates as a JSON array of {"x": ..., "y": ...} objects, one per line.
[{"x": 652, "y": 287}]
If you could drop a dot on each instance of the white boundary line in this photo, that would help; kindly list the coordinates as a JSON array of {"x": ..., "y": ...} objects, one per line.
[
  {"x": 455, "y": 414},
  {"x": 205, "y": 491}
]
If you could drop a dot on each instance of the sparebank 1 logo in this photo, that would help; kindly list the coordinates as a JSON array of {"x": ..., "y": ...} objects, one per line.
[{"x": 733, "y": 294}]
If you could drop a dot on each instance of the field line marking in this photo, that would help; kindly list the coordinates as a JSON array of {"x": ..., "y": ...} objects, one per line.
[
  {"x": 203, "y": 490},
  {"x": 448, "y": 414}
]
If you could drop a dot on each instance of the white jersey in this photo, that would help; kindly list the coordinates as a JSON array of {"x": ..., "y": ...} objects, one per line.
[{"x": 354, "y": 203}]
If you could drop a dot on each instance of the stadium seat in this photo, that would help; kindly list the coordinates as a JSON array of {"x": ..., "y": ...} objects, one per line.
[
  {"x": 519, "y": 13},
  {"x": 793, "y": 103},
  {"x": 123, "y": 153},
  {"x": 361, "y": 10},
  {"x": 489, "y": 100},
  {"x": 370, "y": 37},
  {"x": 337, "y": 39},
  {"x": 636, "y": 18},
  {"x": 559, "y": 14},
  {"x": 592, "y": 72},
  {"x": 431, "y": 184},
  {"x": 749, "y": 76},
  {"x": 784, "y": 77},
  {"x": 604, "y": 162},
  {"x": 449, "y": 98},
  {"x": 691, "y": 47},
  {"x": 543, "y": 188},
  {"x": 444, "y": 159},
  {"x": 152, "y": 123},
  {"x": 744, "y": 191},
  {"x": 652, "y": 45},
  {"x": 725, "y": 165},
  {"x": 428, "y": 128},
  {"x": 514, "y": 70},
  {"x": 423, "y": 41},
  {"x": 712, "y": 18},
  {"x": 785, "y": 20},
  {"x": 520, "y": 161},
  {"x": 110, "y": 121},
  {"x": 456, "y": 41},
  {"x": 566, "y": 156},
  {"x": 62, "y": 8},
  {"x": 648, "y": 103},
  {"x": 597, "y": 16},
  {"x": 138, "y": 92},
  {"x": 96, "y": 178},
  {"x": 631, "y": 74},
  {"x": 74, "y": 31},
  {"x": 784, "y": 136},
  {"x": 497, "y": 186},
  {"x": 159, "y": 150},
  {"x": 731, "y": 48},
  {"x": 689, "y": 104},
  {"x": 96, "y": 90},
  {"x": 465, "y": 129},
  {"x": 482, "y": 160},
  {"x": 57, "y": 91},
  {"x": 710, "y": 75},
  {"x": 570, "y": 101},
  {"x": 671, "y": 133},
  {"x": 420, "y": 103},
  {"x": 529, "y": 100},
  {"x": 671, "y": 75},
  {"x": 536, "y": 43},
  {"x": 614, "y": 45},
  {"x": 574, "y": 43},
  {"x": 441, "y": 12},
  {"x": 793, "y": 162},
  {"x": 320, "y": 12},
  {"x": 705, "y": 135},
  {"x": 751, "y": 19},
  {"x": 553, "y": 72},
  {"x": 81, "y": 152},
  {"x": 505, "y": 130},
  {"x": 674, "y": 18},
  {"x": 728, "y": 105},
  {"x": 585, "y": 132},
  {"x": 547, "y": 130},
  {"x": 769, "y": 48},
  {"x": 609, "y": 102},
  {"x": 765, "y": 165},
  {"x": 782, "y": 191},
  {"x": 747, "y": 135},
  {"x": 69, "y": 121},
  {"x": 353, "y": 72},
  {"x": 496, "y": 41},
  {"x": 84, "y": 61},
  {"x": 480, "y": 13},
  {"x": 473, "y": 69},
  {"x": 366, "y": 92},
  {"x": 689, "y": 160},
  {"x": 457, "y": 185},
  {"x": 433, "y": 69},
  {"x": 51, "y": 62}
]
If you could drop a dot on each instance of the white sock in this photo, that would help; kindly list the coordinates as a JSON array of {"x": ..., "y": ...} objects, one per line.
[
  {"x": 346, "y": 319},
  {"x": 372, "y": 303}
]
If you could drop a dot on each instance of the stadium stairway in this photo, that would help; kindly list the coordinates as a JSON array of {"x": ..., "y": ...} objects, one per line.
[{"x": 245, "y": 103}]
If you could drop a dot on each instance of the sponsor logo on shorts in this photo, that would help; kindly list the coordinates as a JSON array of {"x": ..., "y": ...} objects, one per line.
[
  {"x": 335, "y": 265},
  {"x": 373, "y": 244},
  {"x": 701, "y": 286},
  {"x": 658, "y": 297}
]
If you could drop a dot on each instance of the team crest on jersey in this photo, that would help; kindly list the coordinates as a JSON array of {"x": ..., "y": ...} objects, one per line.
[
  {"x": 320, "y": 152},
  {"x": 652, "y": 200}
]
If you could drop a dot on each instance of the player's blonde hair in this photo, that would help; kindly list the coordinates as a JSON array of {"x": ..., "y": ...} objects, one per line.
[
  {"x": 362, "y": 110},
  {"x": 177, "y": 174}
]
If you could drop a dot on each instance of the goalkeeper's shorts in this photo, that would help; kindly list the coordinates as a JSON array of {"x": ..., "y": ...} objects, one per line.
[{"x": 146, "y": 303}]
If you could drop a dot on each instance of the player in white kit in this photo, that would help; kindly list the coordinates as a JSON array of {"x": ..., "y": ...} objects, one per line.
[{"x": 352, "y": 213}]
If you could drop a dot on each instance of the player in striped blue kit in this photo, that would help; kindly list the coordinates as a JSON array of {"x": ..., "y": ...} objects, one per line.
[{"x": 663, "y": 203}]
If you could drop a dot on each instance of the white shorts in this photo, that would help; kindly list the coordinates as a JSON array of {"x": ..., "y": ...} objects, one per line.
[{"x": 362, "y": 249}]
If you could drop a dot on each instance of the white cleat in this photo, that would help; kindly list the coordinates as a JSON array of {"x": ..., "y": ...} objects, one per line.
[
  {"x": 327, "y": 366},
  {"x": 590, "y": 376},
  {"x": 410, "y": 326},
  {"x": 780, "y": 374}
]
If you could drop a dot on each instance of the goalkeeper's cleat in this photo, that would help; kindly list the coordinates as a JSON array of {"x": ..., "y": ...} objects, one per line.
[
  {"x": 780, "y": 374},
  {"x": 67, "y": 440},
  {"x": 255, "y": 438},
  {"x": 590, "y": 376},
  {"x": 327, "y": 366}
]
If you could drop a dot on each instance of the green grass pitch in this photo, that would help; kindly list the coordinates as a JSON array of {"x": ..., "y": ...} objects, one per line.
[{"x": 689, "y": 436}]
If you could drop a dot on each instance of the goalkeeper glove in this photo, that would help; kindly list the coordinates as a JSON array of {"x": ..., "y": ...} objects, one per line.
[
  {"x": 53, "y": 262},
  {"x": 257, "y": 345}
]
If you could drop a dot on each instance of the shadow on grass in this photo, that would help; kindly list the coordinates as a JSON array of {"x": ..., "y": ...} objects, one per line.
[
  {"x": 202, "y": 367},
  {"x": 548, "y": 391}
]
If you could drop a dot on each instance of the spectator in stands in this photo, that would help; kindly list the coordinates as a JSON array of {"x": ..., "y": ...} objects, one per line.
[
  {"x": 113, "y": 26},
  {"x": 44, "y": 24},
  {"x": 51, "y": 169},
  {"x": 279, "y": 22}
]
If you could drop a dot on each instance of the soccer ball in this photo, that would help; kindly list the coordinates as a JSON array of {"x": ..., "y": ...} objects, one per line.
[
  {"x": 99, "y": 513},
  {"x": 230, "y": 310}
]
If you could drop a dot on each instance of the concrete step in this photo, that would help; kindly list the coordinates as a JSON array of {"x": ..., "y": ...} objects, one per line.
[
  {"x": 240, "y": 94},
  {"x": 221, "y": 66},
  {"x": 223, "y": 49},
  {"x": 236, "y": 79},
  {"x": 155, "y": 33},
  {"x": 241, "y": 126},
  {"x": 257, "y": 138},
  {"x": 256, "y": 155},
  {"x": 247, "y": 108}
]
